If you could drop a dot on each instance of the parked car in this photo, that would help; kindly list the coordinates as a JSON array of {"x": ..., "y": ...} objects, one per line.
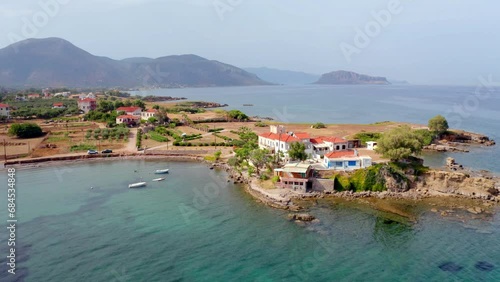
[
  {"x": 92, "y": 152},
  {"x": 107, "y": 151}
]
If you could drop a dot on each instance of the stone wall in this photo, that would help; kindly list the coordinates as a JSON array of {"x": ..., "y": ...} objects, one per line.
[{"x": 322, "y": 185}]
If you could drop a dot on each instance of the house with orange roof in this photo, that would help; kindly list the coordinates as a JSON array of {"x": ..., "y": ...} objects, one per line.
[
  {"x": 4, "y": 110},
  {"x": 131, "y": 111},
  {"x": 58, "y": 106},
  {"x": 346, "y": 160},
  {"x": 278, "y": 140},
  {"x": 149, "y": 114},
  {"x": 33, "y": 96},
  {"x": 128, "y": 120},
  {"x": 86, "y": 105}
]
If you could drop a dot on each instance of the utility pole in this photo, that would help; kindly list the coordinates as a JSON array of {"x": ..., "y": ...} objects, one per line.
[{"x": 4, "y": 151}]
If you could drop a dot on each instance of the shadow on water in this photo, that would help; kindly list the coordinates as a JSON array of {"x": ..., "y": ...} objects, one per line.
[{"x": 389, "y": 232}]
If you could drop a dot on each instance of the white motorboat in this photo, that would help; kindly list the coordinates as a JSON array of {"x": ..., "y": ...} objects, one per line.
[
  {"x": 159, "y": 179},
  {"x": 137, "y": 185},
  {"x": 161, "y": 171}
]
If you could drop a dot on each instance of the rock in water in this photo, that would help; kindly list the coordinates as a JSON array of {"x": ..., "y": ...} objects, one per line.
[
  {"x": 450, "y": 267},
  {"x": 484, "y": 266},
  {"x": 301, "y": 217}
]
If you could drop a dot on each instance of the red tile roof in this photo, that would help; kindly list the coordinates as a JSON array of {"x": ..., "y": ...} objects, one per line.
[
  {"x": 341, "y": 154},
  {"x": 128, "y": 109},
  {"x": 316, "y": 140},
  {"x": 58, "y": 104},
  {"x": 4, "y": 105},
  {"x": 87, "y": 100},
  {"x": 152, "y": 111},
  {"x": 302, "y": 135},
  {"x": 284, "y": 137},
  {"x": 128, "y": 117},
  {"x": 333, "y": 139}
]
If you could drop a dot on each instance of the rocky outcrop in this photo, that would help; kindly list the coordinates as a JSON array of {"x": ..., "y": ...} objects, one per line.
[
  {"x": 445, "y": 148},
  {"x": 457, "y": 183},
  {"x": 301, "y": 217}
]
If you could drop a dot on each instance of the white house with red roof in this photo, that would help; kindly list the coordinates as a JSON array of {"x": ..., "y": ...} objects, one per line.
[
  {"x": 128, "y": 119},
  {"x": 4, "y": 110},
  {"x": 278, "y": 140},
  {"x": 58, "y": 106},
  {"x": 86, "y": 105},
  {"x": 346, "y": 160},
  {"x": 131, "y": 111},
  {"x": 149, "y": 114},
  {"x": 33, "y": 96}
]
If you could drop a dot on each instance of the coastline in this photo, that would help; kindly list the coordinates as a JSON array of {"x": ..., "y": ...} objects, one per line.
[{"x": 278, "y": 198}]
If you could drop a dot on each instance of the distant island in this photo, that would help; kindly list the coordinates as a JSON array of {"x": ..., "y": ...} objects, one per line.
[
  {"x": 55, "y": 62},
  {"x": 349, "y": 77}
]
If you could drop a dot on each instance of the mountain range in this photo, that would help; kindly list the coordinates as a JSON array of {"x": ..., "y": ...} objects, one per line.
[{"x": 55, "y": 62}]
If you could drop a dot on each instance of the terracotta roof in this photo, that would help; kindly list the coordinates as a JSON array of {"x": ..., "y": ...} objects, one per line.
[
  {"x": 128, "y": 109},
  {"x": 316, "y": 140},
  {"x": 58, "y": 104},
  {"x": 302, "y": 135},
  {"x": 334, "y": 139},
  {"x": 151, "y": 111},
  {"x": 284, "y": 137},
  {"x": 4, "y": 105},
  {"x": 341, "y": 154},
  {"x": 87, "y": 100},
  {"x": 128, "y": 117}
]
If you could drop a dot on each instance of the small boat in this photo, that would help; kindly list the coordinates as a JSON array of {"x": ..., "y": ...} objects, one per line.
[
  {"x": 161, "y": 171},
  {"x": 137, "y": 185},
  {"x": 158, "y": 179}
]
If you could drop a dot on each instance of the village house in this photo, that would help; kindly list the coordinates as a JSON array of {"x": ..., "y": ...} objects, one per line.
[
  {"x": 149, "y": 114},
  {"x": 346, "y": 160},
  {"x": 62, "y": 94},
  {"x": 295, "y": 176},
  {"x": 131, "y": 111},
  {"x": 86, "y": 105},
  {"x": 58, "y": 106},
  {"x": 278, "y": 140},
  {"x": 4, "y": 110},
  {"x": 33, "y": 96},
  {"x": 128, "y": 120}
]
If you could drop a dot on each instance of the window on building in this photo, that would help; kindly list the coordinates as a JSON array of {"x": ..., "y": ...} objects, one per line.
[
  {"x": 338, "y": 163},
  {"x": 337, "y": 148},
  {"x": 343, "y": 147},
  {"x": 352, "y": 163}
]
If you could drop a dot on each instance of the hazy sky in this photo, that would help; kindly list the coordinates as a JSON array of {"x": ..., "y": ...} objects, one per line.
[{"x": 424, "y": 41}]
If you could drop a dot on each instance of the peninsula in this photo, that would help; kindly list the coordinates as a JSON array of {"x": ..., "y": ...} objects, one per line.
[{"x": 349, "y": 77}]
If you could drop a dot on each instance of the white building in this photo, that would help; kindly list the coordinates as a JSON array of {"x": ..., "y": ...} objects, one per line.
[
  {"x": 149, "y": 114},
  {"x": 278, "y": 140},
  {"x": 371, "y": 145},
  {"x": 131, "y": 111},
  {"x": 346, "y": 160},
  {"x": 5, "y": 110}
]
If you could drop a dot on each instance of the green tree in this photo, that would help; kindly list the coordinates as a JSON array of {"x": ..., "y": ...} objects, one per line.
[
  {"x": 152, "y": 120},
  {"x": 217, "y": 155},
  {"x": 118, "y": 103},
  {"x": 105, "y": 106},
  {"x": 156, "y": 107},
  {"x": 238, "y": 115},
  {"x": 139, "y": 103},
  {"x": 297, "y": 151},
  {"x": 259, "y": 157},
  {"x": 438, "y": 125},
  {"x": 400, "y": 143},
  {"x": 25, "y": 130}
]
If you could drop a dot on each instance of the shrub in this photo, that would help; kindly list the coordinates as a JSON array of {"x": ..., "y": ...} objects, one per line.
[
  {"x": 318, "y": 125},
  {"x": 82, "y": 147},
  {"x": 25, "y": 130}
]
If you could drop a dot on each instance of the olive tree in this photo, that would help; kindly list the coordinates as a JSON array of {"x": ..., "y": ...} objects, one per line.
[
  {"x": 400, "y": 143},
  {"x": 438, "y": 125}
]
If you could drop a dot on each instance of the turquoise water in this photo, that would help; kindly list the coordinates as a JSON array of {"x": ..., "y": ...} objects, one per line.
[
  {"x": 195, "y": 226},
  {"x": 475, "y": 109}
]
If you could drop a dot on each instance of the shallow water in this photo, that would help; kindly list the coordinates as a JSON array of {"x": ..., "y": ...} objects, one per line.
[{"x": 197, "y": 227}]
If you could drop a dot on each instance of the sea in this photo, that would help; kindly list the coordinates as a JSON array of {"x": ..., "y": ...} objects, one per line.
[{"x": 80, "y": 221}]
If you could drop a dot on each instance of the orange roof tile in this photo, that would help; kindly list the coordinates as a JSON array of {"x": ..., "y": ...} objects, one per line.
[
  {"x": 341, "y": 154},
  {"x": 128, "y": 109},
  {"x": 302, "y": 135},
  {"x": 284, "y": 137}
]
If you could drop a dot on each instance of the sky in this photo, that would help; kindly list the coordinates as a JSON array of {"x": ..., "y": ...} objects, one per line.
[{"x": 445, "y": 42}]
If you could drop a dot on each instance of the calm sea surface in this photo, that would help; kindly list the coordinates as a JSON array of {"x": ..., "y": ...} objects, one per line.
[{"x": 80, "y": 222}]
